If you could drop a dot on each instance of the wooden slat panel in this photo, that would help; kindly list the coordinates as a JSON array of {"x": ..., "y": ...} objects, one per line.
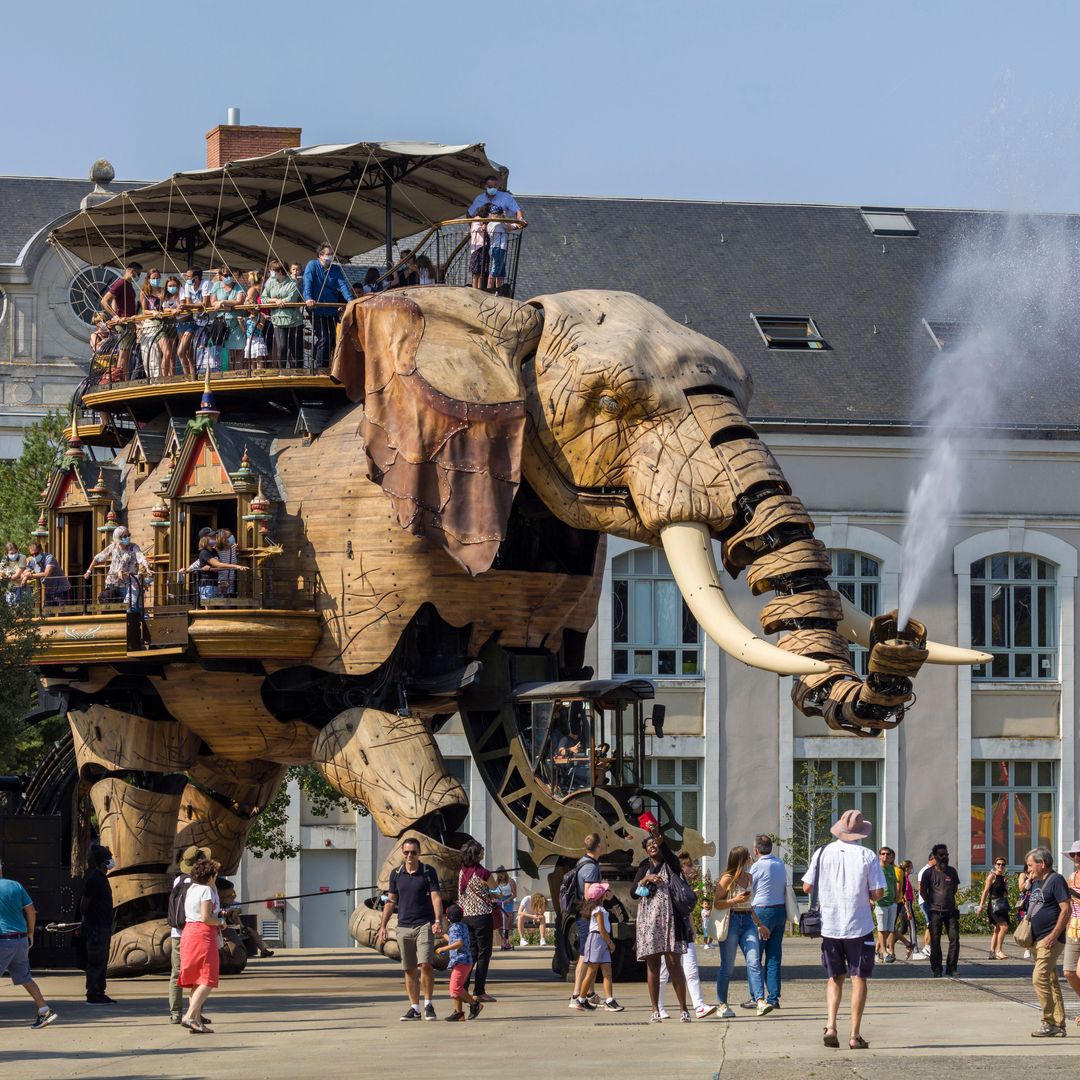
[{"x": 117, "y": 741}]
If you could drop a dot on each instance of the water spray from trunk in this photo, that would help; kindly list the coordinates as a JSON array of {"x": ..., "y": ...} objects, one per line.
[{"x": 1008, "y": 301}]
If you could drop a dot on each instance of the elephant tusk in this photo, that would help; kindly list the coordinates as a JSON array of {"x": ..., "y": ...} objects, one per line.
[
  {"x": 689, "y": 552},
  {"x": 855, "y": 626}
]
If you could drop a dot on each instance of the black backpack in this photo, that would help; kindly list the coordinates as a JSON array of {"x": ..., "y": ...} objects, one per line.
[
  {"x": 177, "y": 898},
  {"x": 569, "y": 897}
]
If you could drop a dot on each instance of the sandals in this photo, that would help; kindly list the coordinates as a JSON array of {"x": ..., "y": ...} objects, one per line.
[
  {"x": 832, "y": 1041},
  {"x": 858, "y": 1043}
]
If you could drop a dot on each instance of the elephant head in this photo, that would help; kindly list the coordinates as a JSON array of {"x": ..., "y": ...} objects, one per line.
[{"x": 622, "y": 421}]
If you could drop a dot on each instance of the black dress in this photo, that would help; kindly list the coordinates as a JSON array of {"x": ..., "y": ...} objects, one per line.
[{"x": 998, "y": 907}]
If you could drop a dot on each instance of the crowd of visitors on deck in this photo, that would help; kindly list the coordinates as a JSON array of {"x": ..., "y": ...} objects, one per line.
[{"x": 158, "y": 325}]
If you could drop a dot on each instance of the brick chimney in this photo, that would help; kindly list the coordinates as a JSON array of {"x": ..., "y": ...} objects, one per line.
[{"x": 233, "y": 141}]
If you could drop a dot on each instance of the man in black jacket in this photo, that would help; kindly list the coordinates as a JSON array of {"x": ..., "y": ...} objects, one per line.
[
  {"x": 937, "y": 888},
  {"x": 96, "y": 908}
]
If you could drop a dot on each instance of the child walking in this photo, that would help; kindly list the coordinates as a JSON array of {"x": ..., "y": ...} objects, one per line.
[
  {"x": 706, "y": 923},
  {"x": 461, "y": 963},
  {"x": 598, "y": 945}
]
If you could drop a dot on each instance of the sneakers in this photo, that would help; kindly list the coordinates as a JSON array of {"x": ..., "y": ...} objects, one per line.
[
  {"x": 889, "y": 958},
  {"x": 46, "y": 1018},
  {"x": 663, "y": 1013},
  {"x": 454, "y": 1016},
  {"x": 751, "y": 1004},
  {"x": 522, "y": 943},
  {"x": 764, "y": 1008},
  {"x": 583, "y": 1005},
  {"x": 412, "y": 1013},
  {"x": 174, "y": 1018},
  {"x": 429, "y": 1012},
  {"x": 1027, "y": 954},
  {"x": 926, "y": 951},
  {"x": 1046, "y": 1031},
  {"x": 100, "y": 999},
  {"x": 704, "y": 1010},
  {"x": 611, "y": 1005},
  {"x": 594, "y": 999},
  {"x": 489, "y": 998},
  {"x": 475, "y": 1009},
  {"x": 726, "y": 1012}
]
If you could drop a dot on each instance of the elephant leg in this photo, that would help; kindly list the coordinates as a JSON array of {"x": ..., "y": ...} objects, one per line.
[
  {"x": 393, "y": 766},
  {"x": 220, "y": 803},
  {"x": 134, "y": 768}
]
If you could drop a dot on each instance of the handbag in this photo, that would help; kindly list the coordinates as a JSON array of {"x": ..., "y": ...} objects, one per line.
[
  {"x": 1023, "y": 935},
  {"x": 722, "y": 924},
  {"x": 683, "y": 897},
  {"x": 791, "y": 905},
  {"x": 810, "y": 920}
]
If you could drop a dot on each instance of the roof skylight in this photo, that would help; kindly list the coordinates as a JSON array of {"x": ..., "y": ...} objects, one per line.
[
  {"x": 888, "y": 221},
  {"x": 797, "y": 332}
]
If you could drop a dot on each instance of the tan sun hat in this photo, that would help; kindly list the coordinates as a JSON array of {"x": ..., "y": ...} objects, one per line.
[
  {"x": 852, "y": 826},
  {"x": 191, "y": 856}
]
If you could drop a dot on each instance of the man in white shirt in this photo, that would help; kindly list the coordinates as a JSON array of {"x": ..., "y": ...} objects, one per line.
[{"x": 849, "y": 880}]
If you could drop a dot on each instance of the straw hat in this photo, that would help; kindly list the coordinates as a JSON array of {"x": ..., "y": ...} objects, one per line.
[{"x": 191, "y": 856}]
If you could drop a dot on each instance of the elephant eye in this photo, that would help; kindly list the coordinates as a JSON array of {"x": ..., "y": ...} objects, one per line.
[{"x": 609, "y": 405}]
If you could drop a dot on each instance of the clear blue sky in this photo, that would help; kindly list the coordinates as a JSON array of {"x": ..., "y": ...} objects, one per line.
[{"x": 920, "y": 103}]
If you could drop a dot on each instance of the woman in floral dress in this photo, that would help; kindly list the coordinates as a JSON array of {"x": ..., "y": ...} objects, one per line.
[{"x": 661, "y": 934}]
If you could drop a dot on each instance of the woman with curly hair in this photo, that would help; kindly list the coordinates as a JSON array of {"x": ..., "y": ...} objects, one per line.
[{"x": 200, "y": 961}]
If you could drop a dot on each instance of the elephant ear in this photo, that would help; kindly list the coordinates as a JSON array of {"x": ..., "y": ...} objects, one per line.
[{"x": 439, "y": 372}]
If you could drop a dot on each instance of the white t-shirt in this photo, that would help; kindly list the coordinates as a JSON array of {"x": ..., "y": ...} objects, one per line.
[
  {"x": 601, "y": 915},
  {"x": 196, "y": 894},
  {"x": 848, "y": 871}
]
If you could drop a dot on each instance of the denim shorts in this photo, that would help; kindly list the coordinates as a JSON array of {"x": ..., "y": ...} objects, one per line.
[
  {"x": 15, "y": 959},
  {"x": 498, "y": 262}
]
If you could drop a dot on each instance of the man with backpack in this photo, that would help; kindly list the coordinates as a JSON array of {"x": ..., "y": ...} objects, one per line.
[
  {"x": 414, "y": 894},
  {"x": 571, "y": 896},
  {"x": 181, "y": 882}
]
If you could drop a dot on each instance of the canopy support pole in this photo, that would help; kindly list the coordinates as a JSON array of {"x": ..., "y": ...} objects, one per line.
[{"x": 388, "y": 184}]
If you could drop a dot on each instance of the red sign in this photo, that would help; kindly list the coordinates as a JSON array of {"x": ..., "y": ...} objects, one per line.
[{"x": 324, "y": 888}]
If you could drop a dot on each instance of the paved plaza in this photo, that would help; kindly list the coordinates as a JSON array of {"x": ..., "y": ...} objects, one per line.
[{"x": 312, "y": 1013}]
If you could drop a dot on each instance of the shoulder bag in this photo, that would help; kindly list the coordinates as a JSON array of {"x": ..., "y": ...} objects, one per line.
[
  {"x": 810, "y": 920},
  {"x": 683, "y": 897}
]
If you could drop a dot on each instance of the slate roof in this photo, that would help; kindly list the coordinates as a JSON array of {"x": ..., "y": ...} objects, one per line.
[
  {"x": 712, "y": 264},
  {"x": 29, "y": 203}
]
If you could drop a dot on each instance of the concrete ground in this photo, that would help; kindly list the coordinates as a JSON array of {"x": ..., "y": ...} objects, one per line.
[{"x": 310, "y": 1013}]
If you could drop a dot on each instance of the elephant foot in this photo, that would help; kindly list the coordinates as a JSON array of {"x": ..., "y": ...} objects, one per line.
[{"x": 142, "y": 949}]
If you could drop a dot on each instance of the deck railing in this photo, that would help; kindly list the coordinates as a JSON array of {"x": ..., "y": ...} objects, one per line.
[
  {"x": 179, "y": 346},
  {"x": 169, "y": 591}
]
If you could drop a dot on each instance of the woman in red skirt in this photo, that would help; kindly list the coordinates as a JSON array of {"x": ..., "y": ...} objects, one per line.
[{"x": 200, "y": 961}]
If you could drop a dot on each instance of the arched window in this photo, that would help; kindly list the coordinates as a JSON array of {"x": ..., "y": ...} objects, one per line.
[
  {"x": 857, "y": 577},
  {"x": 1014, "y": 616},
  {"x": 653, "y": 632}
]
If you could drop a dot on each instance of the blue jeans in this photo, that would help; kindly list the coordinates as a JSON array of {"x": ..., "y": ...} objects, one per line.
[
  {"x": 773, "y": 918},
  {"x": 742, "y": 934}
]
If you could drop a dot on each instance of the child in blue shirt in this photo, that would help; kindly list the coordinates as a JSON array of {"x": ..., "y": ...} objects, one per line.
[{"x": 461, "y": 964}]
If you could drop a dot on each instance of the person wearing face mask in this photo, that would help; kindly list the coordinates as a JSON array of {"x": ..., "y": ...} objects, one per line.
[
  {"x": 193, "y": 295},
  {"x": 938, "y": 888},
  {"x": 123, "y": 580},
  {"x": 225, "y": 294},
  {"x": 325, "y": 285},
  {"x": 171, "y": 305},
  {"x": 95, "y": 930},
  {"x": 121, "y": 301},
  {"x": 151, "y": 330},
  {"x": 500, "y": 203},
  {"x": 12, "y": 573},
  {"x": 288, "y": 321}
]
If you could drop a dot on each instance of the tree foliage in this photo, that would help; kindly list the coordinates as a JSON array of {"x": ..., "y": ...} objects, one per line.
[
  {"x": 269, "y": 836},
  {"x": 21, "y": 481},
  {"x": 810, "y": 811}
]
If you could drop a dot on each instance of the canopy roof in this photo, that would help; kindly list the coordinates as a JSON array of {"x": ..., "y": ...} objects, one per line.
[{"x": 285, "y": 203}]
